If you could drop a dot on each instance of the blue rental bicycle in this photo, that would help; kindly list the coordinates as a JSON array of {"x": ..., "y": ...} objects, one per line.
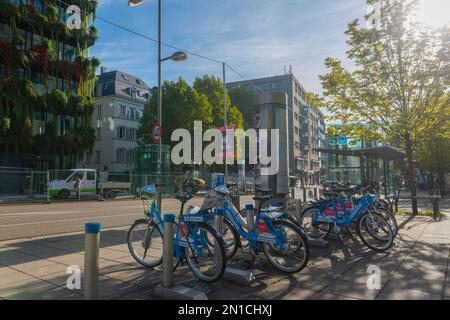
[
  {"x": 197, "y": 243},
  {"x": 337, "y": 211},
  {"x": 283, "y": 242}
]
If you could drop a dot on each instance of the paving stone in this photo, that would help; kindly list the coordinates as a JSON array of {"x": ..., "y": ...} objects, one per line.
[
  {"x": 351, "y": 289},
  {"x": 310, "y": 281},
  {"x": 298, "y": 294},
  {"x": 110, "y": 289},
  {"x": 424, "y": 272},
  {"x": 45, "y": 269},
  {"x": 361, "y": 276},
  {"x": 329, "y": 296},
  {"x": 275, "y": 290},
  {"x": 412, "y": 286},
  {"x": 32, "y": 290},
  {"x": 9, "y": 276}
]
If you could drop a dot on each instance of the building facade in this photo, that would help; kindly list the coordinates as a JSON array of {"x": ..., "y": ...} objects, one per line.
[
  {"x": 349, "y": 170},
  {"x": 306, "y": 127},
  {"x": 46, "y": 84},
  {"x": 119, "y": 106}
]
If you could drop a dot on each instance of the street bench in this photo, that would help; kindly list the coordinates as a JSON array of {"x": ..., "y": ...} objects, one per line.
[{"x": 394, "y": 199}]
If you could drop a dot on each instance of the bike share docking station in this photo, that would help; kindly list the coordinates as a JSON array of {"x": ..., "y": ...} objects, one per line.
[
  {"x": 233, "y": 274},
  {"x": 168, "y": 289}
]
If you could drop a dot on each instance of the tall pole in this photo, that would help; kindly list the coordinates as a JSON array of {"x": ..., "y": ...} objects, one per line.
[
  {"x": 225, "y": 118},
  {"x": 158, "y": 180}
]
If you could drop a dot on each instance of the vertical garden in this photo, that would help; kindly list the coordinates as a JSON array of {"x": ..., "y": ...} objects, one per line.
[{"x": 46, "y": 83}]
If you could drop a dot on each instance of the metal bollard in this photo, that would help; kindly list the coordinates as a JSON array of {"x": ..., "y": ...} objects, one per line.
[
  {"x": 91, "y": 259},
  {"x": 167, "y": 272},
  {"x": 298, "y": 208},
  {"x": 218, "y": 220},
  {"x": 304, "y": 194},
  {"x": 293, "y": 193},
  {"x": 250, "y": 213},
  {"x": 315, "y": 192}
]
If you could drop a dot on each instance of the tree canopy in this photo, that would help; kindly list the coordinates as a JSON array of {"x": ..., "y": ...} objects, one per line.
[
  {"x": 183, "y": 104},
  {"x": 398, "y": 89}
]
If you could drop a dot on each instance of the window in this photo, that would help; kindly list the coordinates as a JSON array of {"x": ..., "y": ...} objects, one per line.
[
  {"x": 133, "y": 93},
  {"x": 131, "y": 134},
  {"x": 276, "y": 85},
  {"x": 122, "y": 111},
  {"x": 131, "y": 156},
  {"x": 132, "y": 114},
  {"x": 97, "y": 156},
  {"x": 98, "y": 133},
  {"x": 108, "y": 88},
  {"x": 124, "y": 77},
  {"x": 128, "y": 113},
  {"x": 121, "y": 155},
  {"x": 121, "y": 133},
  {"x": 90, "y": 175}
]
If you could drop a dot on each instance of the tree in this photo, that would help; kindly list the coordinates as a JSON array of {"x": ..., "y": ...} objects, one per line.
[
  {"x": 434, "y": 155},
  {"x": 212, "y": 87},
  {"x": 243, "y": 100},
  {"x": 398, "y": 88},
  {"x": 182, "y": 105}
]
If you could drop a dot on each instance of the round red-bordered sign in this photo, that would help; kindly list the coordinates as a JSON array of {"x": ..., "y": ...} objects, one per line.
[{"x": 156, "y": 133}]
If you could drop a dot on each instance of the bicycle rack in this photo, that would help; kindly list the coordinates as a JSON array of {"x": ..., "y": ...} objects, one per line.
[
  {"x": 233, "y": 274},
  {"x": 168, "y": 289}
]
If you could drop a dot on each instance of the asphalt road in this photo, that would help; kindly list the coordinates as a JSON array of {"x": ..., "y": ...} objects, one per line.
[{"x": 30, "y": 220}]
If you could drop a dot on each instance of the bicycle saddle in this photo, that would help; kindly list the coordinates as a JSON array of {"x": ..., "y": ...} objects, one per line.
[
  {"x": 331, "y": 194},
  {"x": 263, "y": 190},
  {"x": 262, "y": 198},
  {"x": 184, "y": 197},
  {"x": 222, "y": 190}
]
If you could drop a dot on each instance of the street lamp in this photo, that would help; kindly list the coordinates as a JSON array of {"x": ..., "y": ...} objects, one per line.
[{"x": 177, "y": 57}]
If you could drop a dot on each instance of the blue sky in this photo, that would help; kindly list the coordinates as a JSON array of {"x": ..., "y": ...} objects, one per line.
[{"x": 256, "y": 37}]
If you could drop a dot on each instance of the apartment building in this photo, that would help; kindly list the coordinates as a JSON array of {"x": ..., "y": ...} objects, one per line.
[
  {"x": 119, "y": 105},
  {"x": 46, "y": 95},
  {"x": 306, "y": 126}
]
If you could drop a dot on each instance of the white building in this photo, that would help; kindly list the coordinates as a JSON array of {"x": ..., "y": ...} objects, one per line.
[{"x": 119, "y": 106}]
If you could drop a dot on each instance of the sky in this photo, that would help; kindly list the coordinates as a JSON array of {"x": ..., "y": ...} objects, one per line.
[{"x": 257, "y": 38}]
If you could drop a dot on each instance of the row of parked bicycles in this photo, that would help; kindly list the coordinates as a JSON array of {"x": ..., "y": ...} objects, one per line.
[{"x": 270, "y": 228}]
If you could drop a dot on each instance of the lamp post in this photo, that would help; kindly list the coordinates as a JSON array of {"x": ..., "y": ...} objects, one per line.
[{"x": 177, "y": 57}]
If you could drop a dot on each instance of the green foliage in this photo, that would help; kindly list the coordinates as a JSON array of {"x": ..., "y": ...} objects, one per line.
[
  {"x": 397, "y": 91},
  {"x": 212, "y": 87},
  {"x": 183, "y": 104},
  {"x": 243, "y": 100}
]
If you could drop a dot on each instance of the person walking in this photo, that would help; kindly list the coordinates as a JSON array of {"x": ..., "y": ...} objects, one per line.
[{"x": 77, "y": 187}]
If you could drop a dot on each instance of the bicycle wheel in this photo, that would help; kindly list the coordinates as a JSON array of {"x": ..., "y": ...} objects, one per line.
[
  {"x": 207, "y": 262},
  {"x": 230, "y": 238},
  {"x": 390, "y": 218},
  {"x": 319, "y": 230},
  {"x": 375, "y": 232},
  {"x": 293, "y": 255},
  {"x": 145, "y": 242}
]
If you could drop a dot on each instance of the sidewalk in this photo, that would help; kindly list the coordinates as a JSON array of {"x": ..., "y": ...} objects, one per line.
[{"x": 417, "y": 267}]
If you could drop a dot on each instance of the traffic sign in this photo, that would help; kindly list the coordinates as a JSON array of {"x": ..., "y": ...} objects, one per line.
[{"x": 156, "y": 133}]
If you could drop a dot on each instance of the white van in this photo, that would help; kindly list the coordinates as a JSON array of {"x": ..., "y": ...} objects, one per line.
[{"x": 63, "y": 189}]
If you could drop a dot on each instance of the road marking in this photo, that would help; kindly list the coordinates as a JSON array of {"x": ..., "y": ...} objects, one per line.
[
  {"x": 36, "y": 213},
  {"x": 65, "y": 212},
  {"x": 65, "y": 220}
]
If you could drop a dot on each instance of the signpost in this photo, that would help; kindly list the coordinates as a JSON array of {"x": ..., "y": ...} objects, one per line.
[{"x": 156, "y": 133}]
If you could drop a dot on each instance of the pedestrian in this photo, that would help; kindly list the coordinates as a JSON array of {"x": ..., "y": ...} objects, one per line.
[{"x": 77, "y": 187}]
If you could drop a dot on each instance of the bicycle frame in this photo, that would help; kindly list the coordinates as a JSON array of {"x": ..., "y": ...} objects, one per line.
[
  {"x": 347, "y": 218},
  {"x": 183, "y": 238},
  {"x": 255, "y": 237}
]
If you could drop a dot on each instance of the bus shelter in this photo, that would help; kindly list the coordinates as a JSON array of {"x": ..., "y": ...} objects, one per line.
[{"x": 367, "y": 155}]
